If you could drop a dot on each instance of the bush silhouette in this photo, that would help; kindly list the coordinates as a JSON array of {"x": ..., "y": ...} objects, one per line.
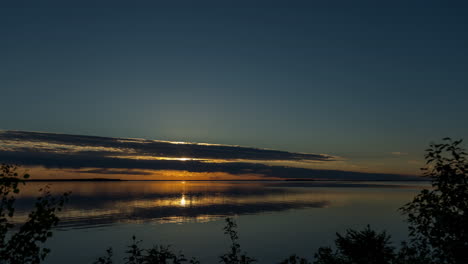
[
  {"x": 154, "y": 255},
  {"x": 234, "y": 256},
  {"x": 294, "y": 259},
  {"x": 164, "y": 254},
  {"x": 366, "y": 246},
  {"x": 24, "y": 245}
]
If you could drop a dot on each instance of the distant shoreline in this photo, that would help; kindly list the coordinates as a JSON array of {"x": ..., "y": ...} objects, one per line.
[{"x": 293, "y": 180}]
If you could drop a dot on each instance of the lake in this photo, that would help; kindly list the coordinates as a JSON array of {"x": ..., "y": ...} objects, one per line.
[{"x": 275, "y": 219}]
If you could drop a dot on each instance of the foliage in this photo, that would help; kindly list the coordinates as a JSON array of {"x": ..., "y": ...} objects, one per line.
[
  {"x": 164, "y": 254},
  {"x": 366, "y": 246},
  {"x": 24, "y": 245},
  {"x": 294, "y": 259},
  {"x": 438, "y": 217},
  {"x": 234, "y": 256},
  {"x": 106, "y": 259},
  {"x": 413, "y": 254},
  {"x": 154, "y": 255},
  {"x": 370, "y": 247}
]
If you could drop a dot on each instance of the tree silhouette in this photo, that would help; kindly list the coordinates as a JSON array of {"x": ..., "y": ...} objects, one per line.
[
  {"x": 24, "y": 245},
  {"x": 438, "y": 217}
]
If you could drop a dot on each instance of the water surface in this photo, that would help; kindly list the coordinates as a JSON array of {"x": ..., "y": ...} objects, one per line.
[{"x": 275, "y": 219}]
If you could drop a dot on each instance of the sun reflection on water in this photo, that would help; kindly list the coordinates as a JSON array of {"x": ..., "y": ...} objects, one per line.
[{"x": 182, "y": 201}]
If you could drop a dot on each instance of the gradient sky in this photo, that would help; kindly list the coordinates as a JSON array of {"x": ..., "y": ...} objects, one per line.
[{"x": 371, "y": 82}]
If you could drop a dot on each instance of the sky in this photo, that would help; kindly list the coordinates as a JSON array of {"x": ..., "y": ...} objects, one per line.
[{"x": 370, "y": 82}]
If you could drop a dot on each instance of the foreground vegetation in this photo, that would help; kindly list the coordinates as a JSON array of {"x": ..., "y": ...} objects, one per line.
[{"x": 437, "y": 218}]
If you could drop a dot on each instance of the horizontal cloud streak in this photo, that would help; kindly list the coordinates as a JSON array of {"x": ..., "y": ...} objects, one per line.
[
  {"x": 100, "y": 155},
  {"x": 20, "y": 140}
]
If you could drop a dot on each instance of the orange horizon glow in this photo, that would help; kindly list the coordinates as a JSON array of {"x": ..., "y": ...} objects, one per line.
[{"x": 41, "y": 173}]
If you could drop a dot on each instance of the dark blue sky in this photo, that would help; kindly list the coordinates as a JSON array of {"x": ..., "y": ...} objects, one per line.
[{"x": 354, "y": 79}]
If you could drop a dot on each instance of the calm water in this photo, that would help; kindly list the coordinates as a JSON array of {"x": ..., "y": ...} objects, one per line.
[{"x": 275, "y": 219}]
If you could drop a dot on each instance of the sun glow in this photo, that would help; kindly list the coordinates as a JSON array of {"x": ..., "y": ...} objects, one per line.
[{"x": 141, "y": 157}]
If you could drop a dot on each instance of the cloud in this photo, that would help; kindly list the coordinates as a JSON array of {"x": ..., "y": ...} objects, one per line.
[
  {"x": 111, "y": 171},
  {"x": 102, "y": 155},
  {"x": 61, "y": 143}
]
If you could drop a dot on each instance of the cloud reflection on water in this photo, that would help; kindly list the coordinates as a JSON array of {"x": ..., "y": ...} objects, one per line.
[{"x": 95, "y": 204}]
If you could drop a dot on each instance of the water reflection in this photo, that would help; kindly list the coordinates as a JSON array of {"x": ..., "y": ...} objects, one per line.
[
  {"x": 182, "y": 201},
  {"x": 94, "y": 204}
]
